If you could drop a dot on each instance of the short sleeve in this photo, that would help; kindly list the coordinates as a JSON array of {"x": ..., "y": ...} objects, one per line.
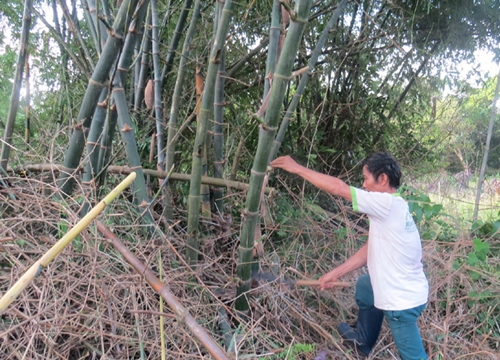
[{"x": 374, "y": 204}]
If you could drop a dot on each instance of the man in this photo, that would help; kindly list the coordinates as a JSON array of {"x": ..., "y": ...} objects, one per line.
[{"x": 396, "y": 285}]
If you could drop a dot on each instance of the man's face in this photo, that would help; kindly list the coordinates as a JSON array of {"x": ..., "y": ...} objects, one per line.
[{"x": 369, "y": 183}]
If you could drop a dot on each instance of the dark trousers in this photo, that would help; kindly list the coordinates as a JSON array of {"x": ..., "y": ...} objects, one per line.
[{"x": 403, "y": 323}]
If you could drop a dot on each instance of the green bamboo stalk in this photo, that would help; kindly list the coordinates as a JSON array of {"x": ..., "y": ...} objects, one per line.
[
  {"x": 236, "y": 159},
  {"x": 99, "y": 28},
  {"x": 77, "y": 34},
  {"x": 218, "y": 132},
  {"x": 160, "y": 139},
  {"x": 183, "y": 314},
  {"x": 91, "y": 24},
  {"x": 144, "y": 71},
  {"x": 201, "y": 133},
  {"x": 304, "y": 80},
  {"x": 267, "y": 132},
  {"x": 172, "y": 49},
  {"x": 89, "y": 103},
  {"x": 106, "y": 142},
  {"x": 28, "y": 102},
  {"x": 174, "y": 110},
  {"x": 124, "y": 121},
  {"x": 128, "y": 137},
  {"x": 16, "y": 88},
  {"x": 95, "y": 133},
  {"x": 272, "y": 52},
  {"x": 59, "y": 246}
]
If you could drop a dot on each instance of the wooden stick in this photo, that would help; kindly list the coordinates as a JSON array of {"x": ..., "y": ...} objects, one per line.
[{"x": 316, "y": 283}]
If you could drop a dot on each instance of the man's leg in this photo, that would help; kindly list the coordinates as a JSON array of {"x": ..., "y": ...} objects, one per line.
[
  {"x": 369, "y": 319},
  {"x": 406, "y": 334}
]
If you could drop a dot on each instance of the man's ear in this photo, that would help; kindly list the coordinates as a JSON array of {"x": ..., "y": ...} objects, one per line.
[{"x": 383, "y": 179}]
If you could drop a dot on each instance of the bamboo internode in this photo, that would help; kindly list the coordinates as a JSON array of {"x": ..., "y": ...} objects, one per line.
[{"x": 58, "y": 247}]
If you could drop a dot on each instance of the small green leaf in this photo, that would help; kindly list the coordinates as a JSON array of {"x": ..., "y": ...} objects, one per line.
[{"x": 472, "y": 259}]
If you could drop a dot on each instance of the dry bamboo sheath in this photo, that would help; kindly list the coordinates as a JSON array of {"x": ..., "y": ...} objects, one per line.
[
  {"x": 160, "y": 288},
  {"x": 58, "y": 247}
]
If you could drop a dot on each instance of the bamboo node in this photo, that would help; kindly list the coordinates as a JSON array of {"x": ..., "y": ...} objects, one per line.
[
  {"x": 96, "y": 83},
  {"x": 250, "y": 213},
  {"x": 266, "y": 127},
  {"x": 283, "y": 77},
  {"x": 126, "y": 128},
  {"x": 258, "y": 173}
]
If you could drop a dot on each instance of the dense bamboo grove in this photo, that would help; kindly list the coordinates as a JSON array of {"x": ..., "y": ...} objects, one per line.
[{"x": 327, "y": 81}]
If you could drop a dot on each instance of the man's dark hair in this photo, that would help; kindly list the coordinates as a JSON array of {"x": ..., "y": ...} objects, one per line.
[{"x": 384, "y": 163}]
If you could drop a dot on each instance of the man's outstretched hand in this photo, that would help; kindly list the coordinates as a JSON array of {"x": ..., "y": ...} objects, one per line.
[{"x": 286, "y": 163}]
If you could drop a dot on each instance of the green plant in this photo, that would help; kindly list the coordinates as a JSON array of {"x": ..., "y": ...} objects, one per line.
[{"x": 294, "y": 351}]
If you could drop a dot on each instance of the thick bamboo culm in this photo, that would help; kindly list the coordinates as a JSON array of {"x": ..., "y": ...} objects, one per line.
[
  {"x": 58, "y": 247},
  {"x": 161, "y": 289}
]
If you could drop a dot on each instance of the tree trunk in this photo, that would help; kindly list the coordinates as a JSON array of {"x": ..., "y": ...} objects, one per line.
[{"x": 486, "y": 150}]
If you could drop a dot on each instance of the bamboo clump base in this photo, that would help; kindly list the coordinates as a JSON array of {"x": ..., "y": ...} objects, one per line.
[{"x": 90, "y": 304}]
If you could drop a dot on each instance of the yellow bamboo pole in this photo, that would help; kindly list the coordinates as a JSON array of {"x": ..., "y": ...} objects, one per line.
[{"x": 58, "y": 247}]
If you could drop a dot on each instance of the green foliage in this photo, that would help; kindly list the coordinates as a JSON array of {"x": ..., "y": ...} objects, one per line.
[
  {"x": 7, "y": 71},
  {"x": 294, "y": 352},
  {"x": 429, "y": 217}
]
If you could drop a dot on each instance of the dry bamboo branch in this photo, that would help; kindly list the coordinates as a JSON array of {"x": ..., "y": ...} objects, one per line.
[
  {"x": 55, "y": 250},
  {"x": 125, "y": 170},
  {"x": 212, "y": 347}
]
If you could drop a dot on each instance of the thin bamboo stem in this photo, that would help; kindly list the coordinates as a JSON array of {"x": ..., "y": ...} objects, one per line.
[
  {"x": 201, "y": 134},
  {"x": 174, "y": 110},
  {"x": 160, "y": 138},
  {"x": 28, "y": 102}
]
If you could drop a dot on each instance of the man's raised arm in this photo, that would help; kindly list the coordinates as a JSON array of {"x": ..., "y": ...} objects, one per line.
[{"x": 330, "y": 184}]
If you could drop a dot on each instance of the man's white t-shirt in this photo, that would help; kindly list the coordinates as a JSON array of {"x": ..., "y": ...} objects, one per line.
[{"x": 394, "y": 251}]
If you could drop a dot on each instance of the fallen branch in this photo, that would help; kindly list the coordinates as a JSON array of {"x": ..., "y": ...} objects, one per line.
[{"x": 125, "y": 170}]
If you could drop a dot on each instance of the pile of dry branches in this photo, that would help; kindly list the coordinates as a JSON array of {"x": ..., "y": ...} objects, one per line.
[{"x": 89, "y": 303}]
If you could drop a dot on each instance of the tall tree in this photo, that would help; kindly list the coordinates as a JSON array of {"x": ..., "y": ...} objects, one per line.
[{"x": 486, "y": 149}]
